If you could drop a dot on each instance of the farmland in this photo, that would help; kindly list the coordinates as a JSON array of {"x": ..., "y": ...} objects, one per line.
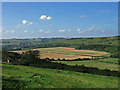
[
  {"x": 71, "y": 54},
  {"x": 66, "y": 53},
  {"x": 67, "y": 63}
]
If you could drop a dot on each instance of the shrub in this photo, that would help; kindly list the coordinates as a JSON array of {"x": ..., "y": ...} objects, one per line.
[{"x": 29, "y": 57}]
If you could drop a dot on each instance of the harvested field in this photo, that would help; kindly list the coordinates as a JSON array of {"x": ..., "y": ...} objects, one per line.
[
  {"x": 66, "y": 53},
  {"x": 61, "y": 56}
]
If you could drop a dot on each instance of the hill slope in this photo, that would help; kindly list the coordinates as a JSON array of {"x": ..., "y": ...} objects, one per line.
[{"x": 17, "y": 76}]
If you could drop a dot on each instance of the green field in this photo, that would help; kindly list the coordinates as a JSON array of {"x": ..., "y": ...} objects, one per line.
[
  {"x": 108, "y": 63},
  {"x": 16, "y": 76}
]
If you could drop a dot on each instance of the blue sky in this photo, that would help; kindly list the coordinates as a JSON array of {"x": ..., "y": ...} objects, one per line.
[{"x": 59, "y": 19}]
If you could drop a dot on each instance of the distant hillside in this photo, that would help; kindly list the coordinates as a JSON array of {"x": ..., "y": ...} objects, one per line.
[
  {"x": 108, "y": 44},
  {"x": 32, "y": 40},
  {"x": 11, "y": 44}
]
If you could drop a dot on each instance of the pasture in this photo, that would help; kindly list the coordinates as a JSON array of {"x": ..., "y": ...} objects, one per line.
[
  {"x": 17, "y": 76},
  {"x": 107, "y": 63}
]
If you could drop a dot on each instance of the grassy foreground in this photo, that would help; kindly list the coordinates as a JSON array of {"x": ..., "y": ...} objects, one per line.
[{"x": 17, "y": 76}]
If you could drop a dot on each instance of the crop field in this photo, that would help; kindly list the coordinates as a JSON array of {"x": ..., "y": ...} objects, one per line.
[
  {"x": 67, "y": 53},
  {"x": 17, "y": 76}
]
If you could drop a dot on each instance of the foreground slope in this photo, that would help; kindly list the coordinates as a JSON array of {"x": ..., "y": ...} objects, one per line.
[{"x": 16, "y": 76}]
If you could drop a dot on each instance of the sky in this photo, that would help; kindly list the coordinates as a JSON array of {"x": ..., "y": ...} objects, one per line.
[{"x": 59, "y": 19}]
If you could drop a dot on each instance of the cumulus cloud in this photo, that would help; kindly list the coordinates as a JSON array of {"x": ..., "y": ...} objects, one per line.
[
  {"x": 44, "y": 17},
  {"x": 91, "y": 28},
  {"x": 83, "y": 16},
  {"x": 48, "y": 18},
  {"x": 24, "y": 22},
  {"x": 61, "y": 30},
  {"x": 79, "y": 31}
]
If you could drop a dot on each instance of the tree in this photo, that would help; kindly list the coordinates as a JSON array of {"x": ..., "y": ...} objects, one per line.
[{"x": 29, "y": 57}]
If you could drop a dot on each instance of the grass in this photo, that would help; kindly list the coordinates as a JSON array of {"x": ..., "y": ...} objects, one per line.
[
  {"x": 108, "y": 63},
  {"x": 110, "y": 60},
  {"x": 17, "y": 76}
]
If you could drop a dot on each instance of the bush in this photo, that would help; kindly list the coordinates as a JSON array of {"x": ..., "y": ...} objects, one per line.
[
  {"x": 12, "y": 57},
  {"x": 29, "y": 57}
]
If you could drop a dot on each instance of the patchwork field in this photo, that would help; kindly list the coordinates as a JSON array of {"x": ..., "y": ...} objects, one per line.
[{"x": 67, "y": 53}]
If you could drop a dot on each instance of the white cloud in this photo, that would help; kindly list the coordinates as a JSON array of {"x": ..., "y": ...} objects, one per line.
[
  {"x": 61, "y": 30},
  {"x": 40, "y": 30},
  {"x": 24, "y": 22},
  {"x": 91, "y": 28},
  {"x": 79, "y": 31},
  {"x": 44, "y": 17},
  {"x": 48, "y": 18},
  {"x": 83, "y": 16}
]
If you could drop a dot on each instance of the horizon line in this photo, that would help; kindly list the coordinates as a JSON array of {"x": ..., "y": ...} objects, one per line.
[{"x": 63, "y": 37}]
